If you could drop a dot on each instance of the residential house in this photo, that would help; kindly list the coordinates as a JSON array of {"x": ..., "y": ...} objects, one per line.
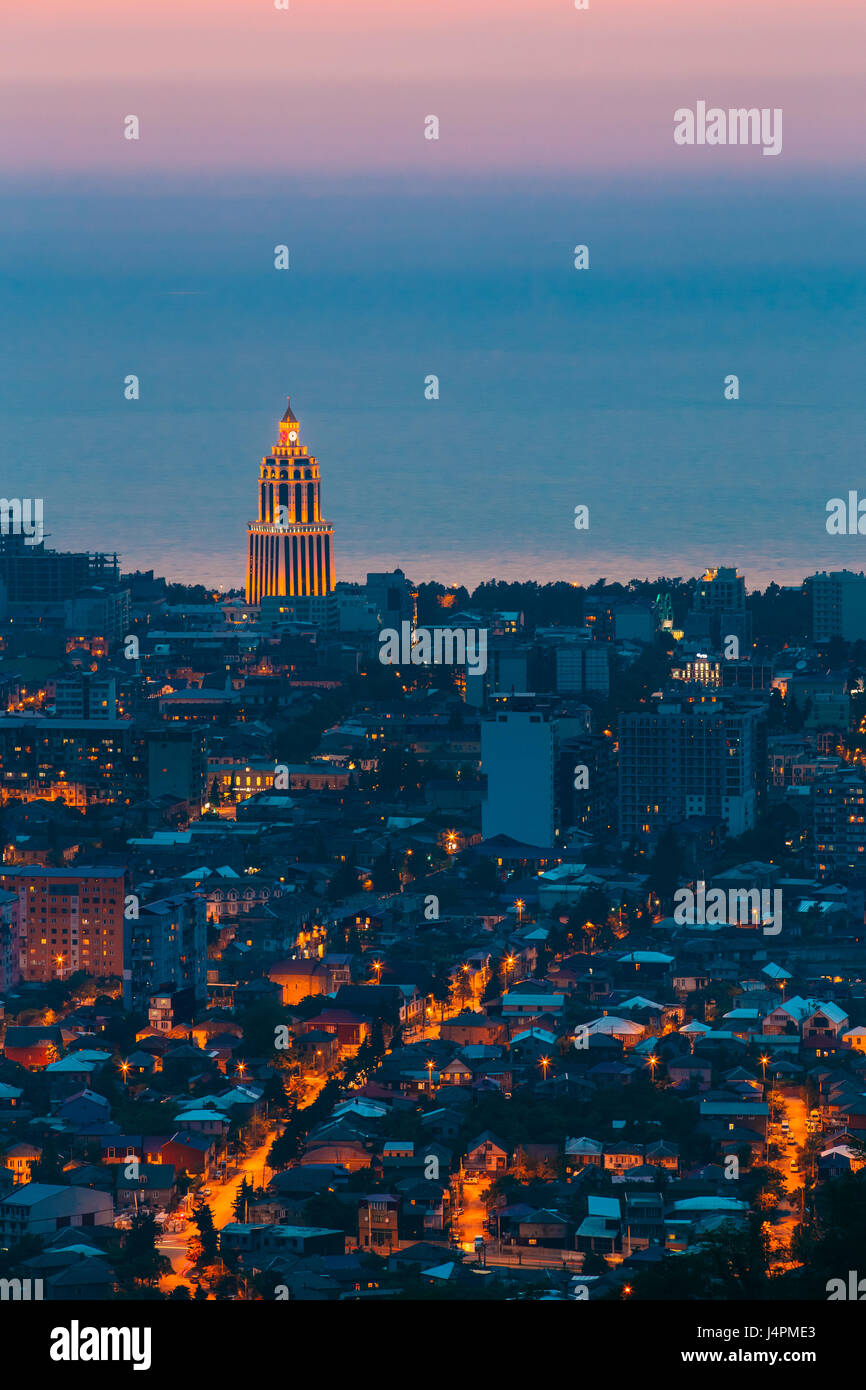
[
  {"x": 486, "y": 1153},
  {"x": 42, "y": 1209}
]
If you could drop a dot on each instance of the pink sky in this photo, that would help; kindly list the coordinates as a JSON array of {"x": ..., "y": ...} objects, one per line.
[{"x": 341, "y": 84}]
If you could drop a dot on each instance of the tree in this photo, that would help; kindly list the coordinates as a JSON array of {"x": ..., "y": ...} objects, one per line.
[
  {"x": 49, "y": 1167},
  {"x": 730, "y": 1263},
  {"x": 664, "y": 872},
  {"x": 140, "y": 1260},
  {"x": 274, "y": 1094},
  {"x": 259, "y": 1023},
  {"x": 344, "y": 881},
  {"x": 483, "y": 875},
  {"x": 242, "y": 1195},
  {"x": 203, "y": 1219},
  {"x": 287, "y": 1146},
  {"x": 440, "y": 986},
  {"x": 385, "y": 876}
]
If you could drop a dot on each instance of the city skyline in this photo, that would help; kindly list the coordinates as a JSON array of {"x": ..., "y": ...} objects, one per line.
[{"x": 436, "y": 874}]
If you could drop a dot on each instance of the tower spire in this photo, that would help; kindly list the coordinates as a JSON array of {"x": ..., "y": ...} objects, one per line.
[{"x": 290, "y": 543}]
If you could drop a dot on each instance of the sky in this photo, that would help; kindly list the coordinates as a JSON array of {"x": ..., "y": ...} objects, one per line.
[
  {"x": 338, "y": 85},
  {"x": 410, "y": 256}
]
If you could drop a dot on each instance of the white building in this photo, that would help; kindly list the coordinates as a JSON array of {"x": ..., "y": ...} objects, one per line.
[
  {"x": 838, "y": 605},
  {"x": 42, "y": 1209},
  {"x": 517, "y": 755}
]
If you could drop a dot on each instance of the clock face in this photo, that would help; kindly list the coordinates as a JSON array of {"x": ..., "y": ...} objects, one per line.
[{"x": 293, "y": 436}]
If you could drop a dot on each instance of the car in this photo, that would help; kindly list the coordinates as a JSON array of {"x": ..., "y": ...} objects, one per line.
[
  {"x": 205, "y": 1192},
  {"x": 785, "y": 1126},
  {"x": 791, "y": 1140},
  {"x": 794, "y": 1166}
]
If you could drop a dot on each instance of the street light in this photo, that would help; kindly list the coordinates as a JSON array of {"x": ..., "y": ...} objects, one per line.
[
  {"x": 544, "y": 1063},
  {"x": 764, "y": 1061},
  {"x": 430, "y": 1074},
  {"x": 377, "y": 966},
  {"x": 520, "y": 905}
]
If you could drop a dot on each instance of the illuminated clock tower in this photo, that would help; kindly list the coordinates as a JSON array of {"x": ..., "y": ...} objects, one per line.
[{"x": 290, "y": 548}]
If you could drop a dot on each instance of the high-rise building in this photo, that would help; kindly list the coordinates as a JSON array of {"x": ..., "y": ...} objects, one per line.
[
  {"x": 34, "y": 574},
  {"x": 586, "y": 770},
  {"x": 584, "y": 668},
  {"x": 839, "y": 806},
  {"x": 80, "y": 761},
  {"x": 85, "y": 695},
  {"x": 10, "y": 972},
  {"x": 690, "y": 757},
  {"x": 719, "y": 612},
  {"x": 290, "y": 546},
  {"x": 517, "y": 754},
  {"x": 101, "y": 611},
  {"x": 838, "y": 605},
  {"x": 168, "y": 949},
  {"x": 720, "y": 590},
  {"x": 177, "y": 764},
  {"x": 69, "y": 920}
]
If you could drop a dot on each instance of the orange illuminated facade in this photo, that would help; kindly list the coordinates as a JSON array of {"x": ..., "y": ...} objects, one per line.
[
  {"x": 69, "y": 920},
  {"x": 290, "y": 547}
]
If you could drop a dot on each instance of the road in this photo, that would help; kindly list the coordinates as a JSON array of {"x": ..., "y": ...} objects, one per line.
[
  {"x": 468, "y": 1225},
  {"x": 253, "y": 1168},
  {"x": 790, "y": 1207}
]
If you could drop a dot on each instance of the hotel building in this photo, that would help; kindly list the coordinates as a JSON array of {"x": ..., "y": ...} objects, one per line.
[{"x": 290, "y": 547}]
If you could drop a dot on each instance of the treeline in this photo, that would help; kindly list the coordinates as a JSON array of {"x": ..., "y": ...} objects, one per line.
[{"x": 779, "y": 614}]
